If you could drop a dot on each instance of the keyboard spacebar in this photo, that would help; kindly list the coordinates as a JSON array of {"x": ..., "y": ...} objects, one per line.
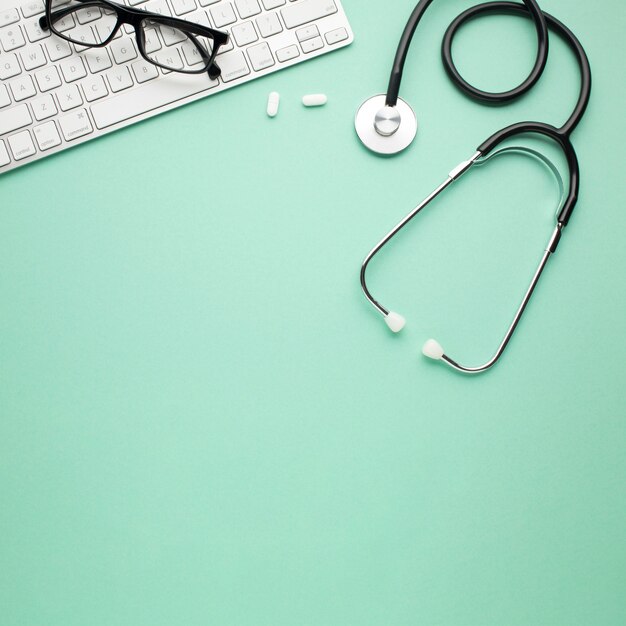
[{"x": 148, "y": 97}]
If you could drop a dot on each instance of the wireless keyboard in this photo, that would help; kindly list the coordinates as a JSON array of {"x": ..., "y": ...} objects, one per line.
[{"x": 53, "y": 95}]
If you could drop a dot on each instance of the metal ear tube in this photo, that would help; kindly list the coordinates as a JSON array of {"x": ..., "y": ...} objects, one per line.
[{"x": 432, "y": 349}]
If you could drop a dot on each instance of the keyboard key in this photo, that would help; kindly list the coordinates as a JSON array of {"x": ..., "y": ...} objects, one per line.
[
  {"x": 76, "y": 124},
  {"x": 172, "y": 36},
  {"x": 158, "y": 6},
  {"x": 97, "y": 59},
  {"x": 22, "y": 145},
  {"x": 33, "y": 58},
  {"x": 144, "y": 71},
  {"x": 14, "y": 118},
  {"x": 94, "y": 88},
  {"x": 233, "y": 66},
  {"x": 9, "y": 66},
  {"x": 123, "y": 50},
  {"x": 152, "y": 43},
  {"x": 119, "y": 79},
  {"x": 310, "y": 45},
  {"x": 34, "y": 32},
  {"x": 83, "y": 34},
  {"x": 247, "y": 8},
  {"x": 260, "y": 56},
  {"x": 150, "y": 96},
  {"x": 5, "y": 100},
  {"x": 22, "y": 88},
  {"x": 288, "y": 53},
  {"x": 64, "y": 23},
  {"x": 5, "y": 159},
  {"x": 169, "y": 58},
  {"x": 181, "y": 7},
  {"x": 58, "y": 49},
  {"x": 32, "y": 8},
  {"x": 48, "y": 78},
  {"x": 244, "y": 33},
  {"x": 104, "y": 31},
  {"x": 307, "y": 11},
  {"x": 73, "y": 69},
  {"x": 47, "y": 135},
  {"x": 199, "y": 17},
  {"x": 8, "y": 16},
  {"x": 191, "y": 53},
  {"x": 223, "y": 15},
  {"x": 308, "y": 32},
  {"x": 69, "y": 97},
  {"x": 335, "y": 36},
  {"x": 272, "y": 4},
  {"x": 269, "y": 25},
  {"x": 88, "y": 14},
  {"x": 12, "y": 38},
  {"x": 44, "y": 107}
]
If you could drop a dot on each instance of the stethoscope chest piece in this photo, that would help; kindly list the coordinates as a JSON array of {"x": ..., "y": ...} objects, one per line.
[{"x": 384, "y": 129}]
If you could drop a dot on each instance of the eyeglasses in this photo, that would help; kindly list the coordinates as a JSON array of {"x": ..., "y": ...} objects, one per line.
[{"x": 170, "y": 43}]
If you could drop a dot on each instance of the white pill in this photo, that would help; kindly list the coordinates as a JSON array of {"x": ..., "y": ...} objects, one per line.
[
  {"x": 315, "y": 100},
  {"x": 272, "y": 103}
]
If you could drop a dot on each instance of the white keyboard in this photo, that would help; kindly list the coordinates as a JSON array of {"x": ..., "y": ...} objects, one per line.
[{"x": 53, "y": 96}]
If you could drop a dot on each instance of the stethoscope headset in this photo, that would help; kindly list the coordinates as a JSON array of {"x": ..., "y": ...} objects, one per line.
[{"x": 386, "y": 124}]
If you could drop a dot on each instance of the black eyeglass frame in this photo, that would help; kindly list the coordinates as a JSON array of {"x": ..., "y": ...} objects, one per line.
[{"x": 134, "y": 17}]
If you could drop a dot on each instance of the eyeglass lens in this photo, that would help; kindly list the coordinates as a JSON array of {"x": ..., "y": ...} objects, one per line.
[
  {"x": 86, "y": 23},
  {"x": 92, "y": 22}
]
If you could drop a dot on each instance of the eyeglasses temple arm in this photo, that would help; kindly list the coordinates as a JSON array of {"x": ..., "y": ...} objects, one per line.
[{"x": 213, "y": 70}]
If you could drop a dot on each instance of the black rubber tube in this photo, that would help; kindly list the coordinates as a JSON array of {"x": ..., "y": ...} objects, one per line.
[
  {"x": 513, "y": 8},
  {"x": 530, "y": 7}
]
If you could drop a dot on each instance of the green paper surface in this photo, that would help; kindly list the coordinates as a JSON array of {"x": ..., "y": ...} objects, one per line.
[{"x": 202, "y": 421}]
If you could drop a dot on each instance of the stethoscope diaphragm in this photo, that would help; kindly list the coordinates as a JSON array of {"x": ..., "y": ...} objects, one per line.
[{"x": 384, "y": 129}]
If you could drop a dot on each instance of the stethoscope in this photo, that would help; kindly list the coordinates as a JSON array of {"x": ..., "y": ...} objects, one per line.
[{"x": 386, "y": 124}]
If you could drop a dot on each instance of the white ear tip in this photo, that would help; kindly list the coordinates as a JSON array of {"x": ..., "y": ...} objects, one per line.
[
  {"x": 433, "y": 350},
  {"x": 395, "y": 321}
]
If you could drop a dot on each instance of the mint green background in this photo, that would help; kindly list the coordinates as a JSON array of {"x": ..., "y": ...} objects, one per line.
[{"x": 203, "y": 422}]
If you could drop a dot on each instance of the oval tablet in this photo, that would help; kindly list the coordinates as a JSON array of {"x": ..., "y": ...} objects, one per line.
[
  {"x": 272, "y": 103},
  {"x": 315, "y": 100}
]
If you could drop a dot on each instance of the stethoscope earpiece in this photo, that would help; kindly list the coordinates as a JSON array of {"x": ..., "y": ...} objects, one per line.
[
  {"x": 433, "y": 350},
  {"x": 395, "y": 322},
  {"x": 384, "y": 129}
]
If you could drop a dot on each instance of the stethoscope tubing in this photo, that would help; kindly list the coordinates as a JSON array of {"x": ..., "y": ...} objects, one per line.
[{"x": 529, "y": 8}]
